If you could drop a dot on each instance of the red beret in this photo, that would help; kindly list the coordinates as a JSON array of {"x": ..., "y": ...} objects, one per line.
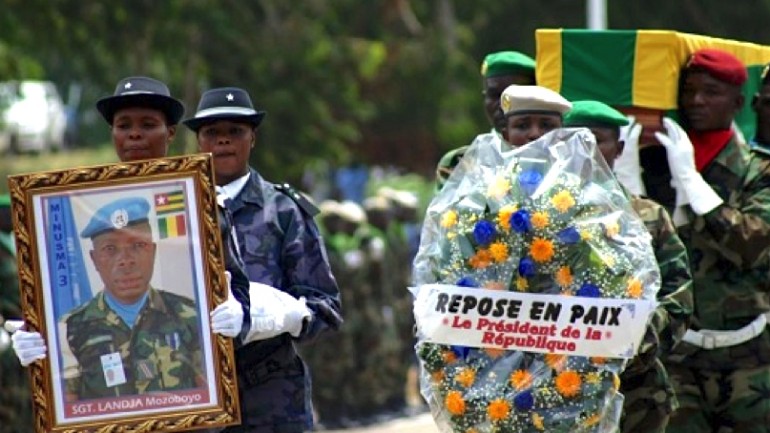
[{"x": 719, "y": 64}]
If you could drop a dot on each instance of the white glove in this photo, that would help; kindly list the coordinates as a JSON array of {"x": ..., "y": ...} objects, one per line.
[
  {"x": 28, "y": 346},
  {"x": 227, "y": 317},
  {"x": 274, "y": 312},
  {"x": 681, "y": 161},
  {"x": 627, "y": 168}
]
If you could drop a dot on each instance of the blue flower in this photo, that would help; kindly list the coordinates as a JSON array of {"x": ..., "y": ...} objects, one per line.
[
  {"x": 461, "y": 351},
  {"x": 526, "y": 267},
  {"x": 520, "y": 221},
  {"x": 524, "y": 400},
  {"x": 569, "y": 235},
  {"x": 484, "y": 232},
  {"x": 466, "y": 282},
  {"x": 589, "y": 290},
  {"x": 529, "y": 180}
]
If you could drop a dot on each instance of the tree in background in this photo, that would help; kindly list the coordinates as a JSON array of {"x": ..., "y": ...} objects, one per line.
[{"x": 385, "y": 81}]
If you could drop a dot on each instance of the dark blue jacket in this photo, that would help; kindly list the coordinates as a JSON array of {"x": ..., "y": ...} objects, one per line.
[{"x": 281, "y": 246}]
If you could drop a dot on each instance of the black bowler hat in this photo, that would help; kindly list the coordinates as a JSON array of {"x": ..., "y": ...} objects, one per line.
[
  {"x": 141, "y": 92},
  {"x": 229, "y": 103}
]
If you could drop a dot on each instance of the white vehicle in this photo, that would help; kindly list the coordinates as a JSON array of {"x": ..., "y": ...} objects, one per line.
[{"x": 33, "y": 116}]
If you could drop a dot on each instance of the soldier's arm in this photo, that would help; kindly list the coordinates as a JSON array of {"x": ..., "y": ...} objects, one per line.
[
  {"x": 306, "y": 267},
  {"x": 739, "y": 229}
]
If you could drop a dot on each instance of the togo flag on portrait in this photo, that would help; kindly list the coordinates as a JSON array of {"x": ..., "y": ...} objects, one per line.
[
  {"x": 66, "y": 265},
  {"x": 170, "y": 209}
]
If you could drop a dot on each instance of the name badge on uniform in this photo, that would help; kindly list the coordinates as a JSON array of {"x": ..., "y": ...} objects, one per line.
[{"x": 112, "y": 366}]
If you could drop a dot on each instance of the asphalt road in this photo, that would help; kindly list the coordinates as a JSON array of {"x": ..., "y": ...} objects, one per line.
[{"x": 422, "y": 423}]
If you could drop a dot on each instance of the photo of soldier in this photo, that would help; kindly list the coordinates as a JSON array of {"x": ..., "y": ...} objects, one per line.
[{"x": 130, "y": 338}]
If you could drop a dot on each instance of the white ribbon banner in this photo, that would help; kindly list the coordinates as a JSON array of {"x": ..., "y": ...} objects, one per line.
[{"x": 569, "y": 325}]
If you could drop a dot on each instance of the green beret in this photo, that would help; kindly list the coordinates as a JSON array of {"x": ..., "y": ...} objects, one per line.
[
  {"x": 507, "y": 63},
  {"x": 594, "y": 113},
  {"x": 5, "y": 200}
]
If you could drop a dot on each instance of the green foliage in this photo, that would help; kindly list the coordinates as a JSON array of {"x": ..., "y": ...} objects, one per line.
[{"x": 384, "y": 81}]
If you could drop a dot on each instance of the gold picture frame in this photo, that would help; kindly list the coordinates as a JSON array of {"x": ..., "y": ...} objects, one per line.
[{"x": 100, "y": 374}]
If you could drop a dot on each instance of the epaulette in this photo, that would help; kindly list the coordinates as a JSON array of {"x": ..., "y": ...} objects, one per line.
[{"x": 300, "y": 199}]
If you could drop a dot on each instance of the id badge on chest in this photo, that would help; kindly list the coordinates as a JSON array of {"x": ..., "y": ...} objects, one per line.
[{"x": 112, "y": 366}]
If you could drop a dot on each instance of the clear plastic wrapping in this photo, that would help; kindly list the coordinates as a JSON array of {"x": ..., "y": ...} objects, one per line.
[{"x": 545, "y": 218}]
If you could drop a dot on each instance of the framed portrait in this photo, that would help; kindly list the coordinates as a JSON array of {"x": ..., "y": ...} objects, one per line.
[{"x": 119, "y": 268}]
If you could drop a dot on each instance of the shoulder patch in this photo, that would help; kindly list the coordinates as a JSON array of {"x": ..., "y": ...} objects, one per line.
[{"x": 300, "y": 199}]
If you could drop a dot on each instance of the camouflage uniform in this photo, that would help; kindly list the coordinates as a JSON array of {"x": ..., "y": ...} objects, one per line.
[
  {"x": 728, "y": 389},
  {"x": 281, "y": 247},
  {"x": 649, "y": 394},
  {"x": 15, "y": 400},
  {"x": 162, "y": 351}
]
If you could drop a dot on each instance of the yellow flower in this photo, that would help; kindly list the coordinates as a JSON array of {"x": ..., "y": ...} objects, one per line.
[
  {"x": 568, "y": 383},
  {"x": 499, "y": 251},
  {"x": 539, "y": 220},
  {"x": 611, "y": 229},
  {"x": 498, "y": 409},
  {"x": 537, "y": 421},
  {"x": 634, "y": 288},
  {"x": 449, "y": 219},
  {"x": 451, "y": 235},
  {"x": 615, "y": 381},
  {"x": 481, "y": 259},
  {"x": 504, "y": 216},
  {"x": 564, "y": 276},
  {"x": 593, "y": 378},
  {"x": 541, "y": 250},
  {"x": 521, "y": 379},
  {"x": 592, "y": 420},
  {"x": 522, "y": 284},
  {"x": 454, "y": 403},
  {"x": 466, "y": 377},
  {"x": 585, "y": 235},
  {"x": 499, "y": 187},
  {"x": 562, "y": 201}
]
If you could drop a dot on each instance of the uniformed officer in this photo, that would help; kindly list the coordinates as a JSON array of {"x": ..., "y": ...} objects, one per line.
[
  {"x": 498, "y": 70},
  {"x": 293, "y": 293},
  {"x": 721, "y": 370},
  {"x": 531, "y": 112},
  {"x": 649, "y": 398},
  {"x": 152, "y": 333}
]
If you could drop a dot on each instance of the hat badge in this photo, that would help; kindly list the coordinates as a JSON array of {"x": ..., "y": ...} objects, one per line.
[
  {"x": 119, "y": 218},
  {"x": 230, "y": 97},
  {"x": 505, "y": 104},
  {"x": 127, "y": 85}
]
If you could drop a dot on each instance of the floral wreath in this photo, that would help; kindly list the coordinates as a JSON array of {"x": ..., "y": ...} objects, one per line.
[{"x": 544, "y": 218}]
